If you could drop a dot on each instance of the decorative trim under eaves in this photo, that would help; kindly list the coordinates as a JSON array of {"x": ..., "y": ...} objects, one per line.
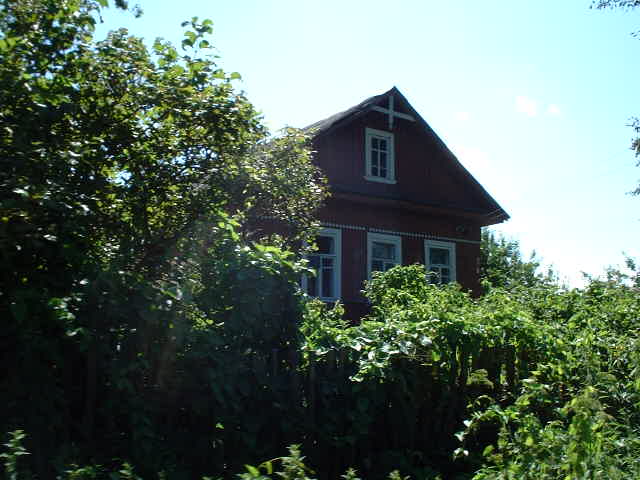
[
  {"x": 340, "y": 225},
  {"x": 404, "y": 234}
]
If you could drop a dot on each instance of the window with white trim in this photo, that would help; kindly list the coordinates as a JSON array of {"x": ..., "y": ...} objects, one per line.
[
  {"x": 380, "y": 162},
  {"x": 440, "y": 260},
  {"x": 326, "y": 262},
  {"x": 383, "y": 252}
]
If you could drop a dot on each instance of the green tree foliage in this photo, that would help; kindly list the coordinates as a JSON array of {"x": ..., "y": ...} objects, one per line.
[
  {"x": 542, "y": 382},
  {"x": 616, "y": 3},
  {"x": 577, "y": 415},
  {"x": 502, "y": 265},
  {"x": 124, "y": 168},
  {"x": 392, "y": 392},
  {"x": 537, "y": 386},
  {"x": 635, "y": 145}
]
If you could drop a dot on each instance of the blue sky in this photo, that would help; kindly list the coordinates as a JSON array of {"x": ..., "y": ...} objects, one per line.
[{"x": 532, "y": 96}]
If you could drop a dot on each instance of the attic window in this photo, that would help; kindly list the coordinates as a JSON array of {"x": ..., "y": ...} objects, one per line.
[{"x": 380, "y": 162}]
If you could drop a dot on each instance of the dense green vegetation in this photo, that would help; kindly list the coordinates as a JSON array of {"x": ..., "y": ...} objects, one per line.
[
  {"x": 537, "y": 382},
  {"x": 154, "y": 328},
  {"x": 131, "y": 185}
]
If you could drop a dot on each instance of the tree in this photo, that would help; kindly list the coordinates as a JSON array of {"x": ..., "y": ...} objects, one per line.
[
  {"x": 635, "y": 145},
  {"x": 635, "y": 121},
  {"x": 122, "y": 168},
  {"x": 502, "y": 265},
  {"x": 616, "y": 3}
]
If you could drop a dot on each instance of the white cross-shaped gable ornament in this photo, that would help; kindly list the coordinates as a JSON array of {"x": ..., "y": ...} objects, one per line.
[{"x": 391, "y": 113}]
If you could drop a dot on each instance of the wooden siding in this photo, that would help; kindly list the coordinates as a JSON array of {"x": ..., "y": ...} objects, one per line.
[
  {"x": 355, "y": 220},
  {"x": 424, "y": 174},
  {"x": 432, "y": 196}
]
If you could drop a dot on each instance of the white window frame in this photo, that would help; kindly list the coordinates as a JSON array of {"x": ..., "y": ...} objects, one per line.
[
  {"x": 382, "y": 238},
  {"x": 336, "y": 234},
  {"x": 451, "y": 246},
  {"x": 391, "y": 158}
]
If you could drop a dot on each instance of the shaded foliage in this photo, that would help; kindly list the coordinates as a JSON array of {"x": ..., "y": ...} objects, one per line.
[
  {"x": 125, "y": 170},
  {"x": 537, "y": 386}
]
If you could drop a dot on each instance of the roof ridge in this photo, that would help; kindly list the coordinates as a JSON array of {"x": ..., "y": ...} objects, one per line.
[{"x": 325, "y": 124}]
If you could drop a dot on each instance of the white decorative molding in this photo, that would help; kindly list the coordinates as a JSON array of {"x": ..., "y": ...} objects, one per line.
[
  {"x": 404, "y": 234},
  {"x": 392, "y": 113},
  {"x": 341, "y": 225},
  {"x": 370, "y": 178}
]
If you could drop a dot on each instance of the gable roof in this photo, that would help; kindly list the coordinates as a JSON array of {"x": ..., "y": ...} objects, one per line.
[{"x": 318, "y": 129}]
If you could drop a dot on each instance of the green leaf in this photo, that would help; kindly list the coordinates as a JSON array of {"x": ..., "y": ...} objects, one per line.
[
  {"x": 268, "y": 467},
  {"x": 487, "y": 450},
  {"x": 252, "y": 470}
]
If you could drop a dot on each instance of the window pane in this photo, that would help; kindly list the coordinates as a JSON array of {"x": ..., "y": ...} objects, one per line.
[
  {"x": 385, "y": 251},
  {"x": 325, "y": 244},
  {"x": 383, "y": 161},
  {"x": 444, "y": 275},
  {"x": 327, "y": 282},
  {"x": 327, "y": 262},
  {"x": 312, "y": 286},
  {"x": 383, "y": 172},
  {"x": 439, "y": 256},
  {"x": 374, "y": 142},
  {"x": 314, "y": 261},
  {"x": 377, "y": 266},
  {"x": 383, "y": 144}
]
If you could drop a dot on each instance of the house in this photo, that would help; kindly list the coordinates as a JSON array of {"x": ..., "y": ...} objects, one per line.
[{"x": 399, "y": 196}]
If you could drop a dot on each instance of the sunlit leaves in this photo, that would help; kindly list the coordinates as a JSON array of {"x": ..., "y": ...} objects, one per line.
[{"x": 577, "y": 414}]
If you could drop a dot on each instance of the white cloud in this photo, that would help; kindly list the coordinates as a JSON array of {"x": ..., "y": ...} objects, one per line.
[
  {"x": 530, "y": 107},
  {"x": 553, "y": 109},
  {"x": 462, "y": 116},
  {"x": 526, "y": 105}
]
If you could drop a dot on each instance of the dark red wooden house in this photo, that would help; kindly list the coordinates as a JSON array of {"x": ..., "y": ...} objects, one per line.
[{"x": 398, "y": 196}]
